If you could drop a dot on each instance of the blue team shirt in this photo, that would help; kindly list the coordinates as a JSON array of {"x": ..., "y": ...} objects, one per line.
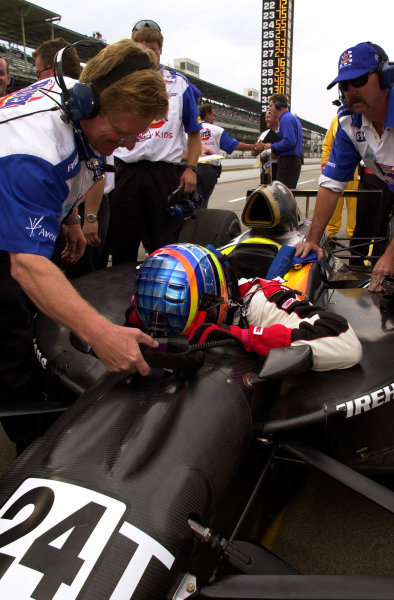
[
  {"x": 41, "y": 173},
  {"x": 290, "y": 130}
]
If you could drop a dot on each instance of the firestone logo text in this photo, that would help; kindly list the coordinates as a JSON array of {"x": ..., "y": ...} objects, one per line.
[{"x": 367, "y": 402}]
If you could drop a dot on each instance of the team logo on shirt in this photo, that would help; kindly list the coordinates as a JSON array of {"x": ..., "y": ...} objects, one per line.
[
  {"x": 25, "y": 95},
  {"x": 360, "y": 136},
  {"x": 158, "y": 124},
  {"x": 169, "y": 77},
  {"x": 36, "y": 227},
  {"x": 205, "y": 135},
  {"x": 387, "y": 171}
]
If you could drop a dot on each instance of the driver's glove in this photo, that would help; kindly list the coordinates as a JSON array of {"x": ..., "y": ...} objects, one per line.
[{"x": 253, "y": 339}]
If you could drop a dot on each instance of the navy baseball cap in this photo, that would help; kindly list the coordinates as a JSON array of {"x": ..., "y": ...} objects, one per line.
[{"x": 356, "y": 61}]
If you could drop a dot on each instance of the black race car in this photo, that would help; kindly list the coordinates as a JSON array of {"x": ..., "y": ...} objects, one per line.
[{"x": 150, "y": 488}]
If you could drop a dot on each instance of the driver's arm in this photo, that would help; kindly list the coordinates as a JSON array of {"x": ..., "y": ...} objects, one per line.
[
  {"x": 333, "y": 342},
  {"x": 53, "y": 294}
]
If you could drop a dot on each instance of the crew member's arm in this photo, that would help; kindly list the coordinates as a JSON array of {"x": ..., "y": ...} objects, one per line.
[
  {"x": 52, "y": 293},
  {"x": 256, "y": 148},
  {"x": 384, "y": 266},
  {"x": 189, "y": 178},
  {"x": 91, "y": 207},
  {"x": 326, "y": 202}
]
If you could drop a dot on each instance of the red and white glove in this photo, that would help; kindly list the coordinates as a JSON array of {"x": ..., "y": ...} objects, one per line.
[{"x": 253, "y": 339}]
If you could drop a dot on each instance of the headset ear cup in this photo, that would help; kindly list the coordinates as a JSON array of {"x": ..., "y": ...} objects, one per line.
[
  {"x": 278, "y": 105},
  {"x": 82, "y": 103},
  {"x": 386, "y": 75}
]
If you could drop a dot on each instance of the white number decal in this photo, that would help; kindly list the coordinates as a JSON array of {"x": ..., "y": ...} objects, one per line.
[{"x": 52, "y": 534}]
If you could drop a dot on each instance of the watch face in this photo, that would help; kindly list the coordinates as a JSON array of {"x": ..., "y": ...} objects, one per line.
[{"x": 91, "y": 218}]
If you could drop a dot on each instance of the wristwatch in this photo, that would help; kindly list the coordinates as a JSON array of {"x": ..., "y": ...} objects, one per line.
[
  {"x": 192, "y": 167},
  {"x": 90, "y": 218},
  {"x": 74, "y": 221}
]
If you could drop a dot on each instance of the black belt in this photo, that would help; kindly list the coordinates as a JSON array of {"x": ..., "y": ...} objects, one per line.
[{"x": 146, "y": 163}]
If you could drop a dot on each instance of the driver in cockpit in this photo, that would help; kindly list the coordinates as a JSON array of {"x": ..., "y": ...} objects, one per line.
[{"x": 197, "y": 294}]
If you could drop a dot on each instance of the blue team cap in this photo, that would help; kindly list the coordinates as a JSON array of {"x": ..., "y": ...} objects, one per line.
[{"x": 356, "y": 61}]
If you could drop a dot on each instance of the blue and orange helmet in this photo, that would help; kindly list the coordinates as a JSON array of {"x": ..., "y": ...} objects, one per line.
[{"x": 184, "y": 282}]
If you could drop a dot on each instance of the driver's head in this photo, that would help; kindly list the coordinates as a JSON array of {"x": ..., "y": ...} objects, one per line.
[{"x": 186, "y": 283}]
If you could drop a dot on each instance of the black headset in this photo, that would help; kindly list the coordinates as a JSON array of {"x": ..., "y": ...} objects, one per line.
[
  {"x": 82, "y": 100},
  {"x": 385, "y": 68},
  {"x": 278, "y": 105}
]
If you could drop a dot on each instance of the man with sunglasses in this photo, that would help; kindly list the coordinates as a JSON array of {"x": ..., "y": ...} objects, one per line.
[
  {"x": 365, "y": 132},
  {"x": 45, "y": 54},
  {"x": 148, "y": 174}
]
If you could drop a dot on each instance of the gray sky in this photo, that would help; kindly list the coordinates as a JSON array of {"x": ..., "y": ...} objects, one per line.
[{"x": 224, "y": 36}]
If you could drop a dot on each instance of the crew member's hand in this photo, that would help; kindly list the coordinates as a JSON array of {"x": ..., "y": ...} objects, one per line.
[
  {"x": 118, "y": 348},
  {"x": 383, "y": 267},
  {"x": 90, "y": 231},
  {"x": 205, "y": 150},
  {"x": 75, "y": 244},
  {"x": 266, "y": 146},
  {"x": 304, "y": 248},
  {"x": 188, "y": 181}
]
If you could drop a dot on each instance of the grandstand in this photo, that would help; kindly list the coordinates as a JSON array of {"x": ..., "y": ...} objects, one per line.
[{"x": 23, "y": 26}]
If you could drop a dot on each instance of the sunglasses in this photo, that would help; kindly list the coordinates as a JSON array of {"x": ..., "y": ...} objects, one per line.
[
  {"x": 358, "y": 82},
  {"x": 38, "y": 73},
  {"x": 145, "y": 23}
]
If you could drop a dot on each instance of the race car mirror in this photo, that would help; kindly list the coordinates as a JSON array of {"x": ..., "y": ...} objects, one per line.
[{"x": 282, "y": 362}]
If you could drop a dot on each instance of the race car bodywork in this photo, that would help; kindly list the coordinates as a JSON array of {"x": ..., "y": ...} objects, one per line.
[{"x": 125, "y": 495}]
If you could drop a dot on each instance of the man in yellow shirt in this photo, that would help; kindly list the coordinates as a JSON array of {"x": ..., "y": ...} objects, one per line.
[{"x": 334, "y": 223}]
